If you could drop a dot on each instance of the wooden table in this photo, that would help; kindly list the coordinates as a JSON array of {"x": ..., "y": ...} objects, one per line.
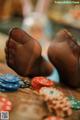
[{"x": 27, "y": 105}]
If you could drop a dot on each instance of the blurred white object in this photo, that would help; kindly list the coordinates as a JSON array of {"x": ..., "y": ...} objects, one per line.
[
  {"x": 35, "y": 22},
  {"x": 27, "y": 8}
]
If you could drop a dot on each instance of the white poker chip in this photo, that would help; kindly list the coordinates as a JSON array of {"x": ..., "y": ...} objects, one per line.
[{"x": 51, "y": 92}]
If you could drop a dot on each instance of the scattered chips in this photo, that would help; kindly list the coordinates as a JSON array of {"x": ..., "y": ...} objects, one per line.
[
  {"x": 57, "y": 102},
  {"x": 38, "y": 82}
]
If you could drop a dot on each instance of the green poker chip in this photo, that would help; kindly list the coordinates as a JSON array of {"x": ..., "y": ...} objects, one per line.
[{"x": 75, "y": 104}]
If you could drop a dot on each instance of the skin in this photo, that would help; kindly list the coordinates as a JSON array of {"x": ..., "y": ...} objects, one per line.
[
  {"x": 64, "y": 54},
  {"x": 23, "y": 55}
]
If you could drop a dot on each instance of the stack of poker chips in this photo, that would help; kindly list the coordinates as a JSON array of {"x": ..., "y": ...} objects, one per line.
[
  {"x": 9, "y": 82},
  {"x": 38, "y": 82},
  {"x": 57, "y": 102}
]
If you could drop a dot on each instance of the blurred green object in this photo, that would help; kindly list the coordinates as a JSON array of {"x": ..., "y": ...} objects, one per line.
[{"x": 5, "y": 26}]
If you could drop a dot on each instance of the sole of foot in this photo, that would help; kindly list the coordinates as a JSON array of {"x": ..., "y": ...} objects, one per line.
[
  {"x": 64, "y": 53},
  {"x": 23, "y": 54}
]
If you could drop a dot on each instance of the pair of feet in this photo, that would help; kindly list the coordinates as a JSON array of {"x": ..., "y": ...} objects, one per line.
[{"x": 23, "y": 54}]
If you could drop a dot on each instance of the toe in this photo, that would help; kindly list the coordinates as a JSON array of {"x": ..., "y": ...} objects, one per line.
[
  {"x": 10, "y": 51},
  {"x": 11, "y": 54},
  {"x": 10, "y": 63},
  {"x": 10, "y": 47},
  {"x": 63, "y": 35},
  {"x": 10, "y": 58},
  {"x": 12, "y": 44},
  {"x": 19, "y": 35}
]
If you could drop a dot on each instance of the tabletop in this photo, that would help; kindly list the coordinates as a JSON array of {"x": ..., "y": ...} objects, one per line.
[{"x": 28, "y": 105}]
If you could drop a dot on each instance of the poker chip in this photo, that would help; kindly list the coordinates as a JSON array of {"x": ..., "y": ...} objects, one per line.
[
  {"x": 9, "y": 78},
  {"x": 38, "y": 82},
  {"x": 75, "y": 104},
  {"x": 9, "y": 82},
  {"x": 3, "y": 90},
  {"x": 53, "y": 118},
  {"x": 8, "y": 86},
  {"x": 50, "y": 92},
  {"x": 5, "y": 104}
]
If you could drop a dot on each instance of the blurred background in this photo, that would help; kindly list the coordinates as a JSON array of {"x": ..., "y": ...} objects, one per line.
[{"x": 40, "y": 18}]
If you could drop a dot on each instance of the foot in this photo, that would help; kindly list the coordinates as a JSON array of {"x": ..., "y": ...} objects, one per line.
[
  {"x": 23, "y": 54},
  {"x": 64, "y": 53}
]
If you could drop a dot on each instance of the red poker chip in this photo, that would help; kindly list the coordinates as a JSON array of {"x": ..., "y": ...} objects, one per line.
[
  {"x": 5, "y": 104},
  {"x": 38, "y": 82},
  {"x": 53, "y": 118}
]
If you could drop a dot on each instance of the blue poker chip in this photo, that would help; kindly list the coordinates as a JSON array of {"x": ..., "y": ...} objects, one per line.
[
  {"x": 9, "y": 82},
  {"x": 9, "y": 86},
  {"x": 4, "y": 90},
  {"x": 9, "y": 78}
]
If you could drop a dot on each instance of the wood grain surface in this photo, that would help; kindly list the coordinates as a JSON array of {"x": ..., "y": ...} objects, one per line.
[{"x": 27, "y": 105}]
